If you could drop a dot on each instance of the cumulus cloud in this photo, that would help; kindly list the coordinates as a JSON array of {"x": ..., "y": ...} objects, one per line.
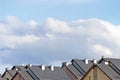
[
  {"x": 57, "y": 26},
  {"x": 54, "y": 40},
  {"x": 100, "y": 49},
  {"x": 32, "y": 23}
]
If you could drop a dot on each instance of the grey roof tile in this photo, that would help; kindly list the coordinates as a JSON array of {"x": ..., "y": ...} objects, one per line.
[
  {"x": 74, "y": 71},
  {"x": 25, "y": 75},
  {"x": 47, "y": 74},
  {"x": 115, "y": 61},
  {"x": 12, "y": 72},
  {"x": 82, "y": 65},
  {"x": 109, "y": 71}
]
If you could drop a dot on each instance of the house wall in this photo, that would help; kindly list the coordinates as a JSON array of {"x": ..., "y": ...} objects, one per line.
[
  {"x": 17, "y": 77},
  {"x": 96, "y": 74},
  {"x": 101, "y": 75},
  {"x": 89, "y": 76},
  {"x": 7, "y": 76}
]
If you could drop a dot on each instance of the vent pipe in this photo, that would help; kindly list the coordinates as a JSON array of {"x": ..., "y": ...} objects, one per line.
[
  {"x": 86, "y": 61},
  {"x": 52, "y": 68},
  {"x": 94, "y": 61},
  {"x": 43, "y": 67},
  {"x": 106, "y": 62}
]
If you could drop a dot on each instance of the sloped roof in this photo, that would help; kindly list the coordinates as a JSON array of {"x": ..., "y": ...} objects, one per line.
[
  {"x": 74, "y": 71},
  {"x": 112, "y": 74},
  {"x": 82, "y": 65},
  {"x": 25, "y": 75},
  {"x": 11, "y": 72},
  {"x": 114, "y": 61},
  {"x": 47, "y": 74},
  {"x": 18, "y": 67}
]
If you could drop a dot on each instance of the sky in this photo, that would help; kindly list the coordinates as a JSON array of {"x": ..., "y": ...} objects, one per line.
[{"x": 54, "y": 31}]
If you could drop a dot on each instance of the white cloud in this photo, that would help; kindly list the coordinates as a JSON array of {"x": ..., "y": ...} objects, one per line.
[
  {"x": 32, "y": 23},
  {"x": 12, "y": 21},
  {"x": 3, "y": 66},
  {"x": 11, "y": 41},
  {"x": 57, "y": 26},
  {"x": 55, "y": 40},
  {"x": 101, "y": 50}
]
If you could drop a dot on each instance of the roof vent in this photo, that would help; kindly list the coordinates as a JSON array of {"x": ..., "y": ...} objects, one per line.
[
  {"x": 86, "y": 61},
  {"x": 95, "y": 61},
  {"x": 43, "y": 67},
  {"x": 52, "y": 68},
  {"x": 106, "y": 62}
]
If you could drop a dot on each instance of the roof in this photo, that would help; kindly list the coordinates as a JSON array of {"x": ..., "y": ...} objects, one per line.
[
  {"x": 114, "y": 61},
  {"x": 18, "y": 67},
  {"x": 25, "y": 75},
  {"x": 11, "y": 72},
  {"x": 81, "y": 64},
  {"x": 109, "y": 71},
  {"x": 47, "y": 74},
  {"x": 74, "y": 71}
]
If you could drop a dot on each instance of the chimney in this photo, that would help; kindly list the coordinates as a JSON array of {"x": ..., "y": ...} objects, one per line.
[
  {"x": 106, "y": 62},
  {"x": 43, "y": 67},
  {"x": 23, "y": 64},
  {"x": 86, "y": 61},
  {"x": 94, "y": 61},
  {"x": 65, "y": 64},
  {"x": 52, "y": 68},
  {"x": 16, "y": 69},
  {"x": 30, "y": 65},
  {"x": 7, "y": 68}
]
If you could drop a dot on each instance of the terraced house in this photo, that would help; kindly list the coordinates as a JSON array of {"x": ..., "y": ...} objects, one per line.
[{"x": 103, "y": 69}]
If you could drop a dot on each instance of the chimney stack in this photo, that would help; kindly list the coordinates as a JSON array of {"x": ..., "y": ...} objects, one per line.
[
  {"x": 106, "y": 62},
  {"x": 94, "y": 61},
  {"x": 65, "y": 64},
  {"x": 43, "y": 67},
  {"x": 52, "y": 68},
  {"x": 86, "y": 61}
]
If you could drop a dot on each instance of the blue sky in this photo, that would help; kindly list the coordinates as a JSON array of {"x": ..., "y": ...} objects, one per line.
[
  {"x": 60, "y": 9},
  {"x": 52, "y": 31}
]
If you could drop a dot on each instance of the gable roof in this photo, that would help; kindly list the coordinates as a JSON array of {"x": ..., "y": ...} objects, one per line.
[
  {"x": 109, "y": 71},
  {"x": 18, "y": 67},
  {"x": 23, "y": 74},
  {"x": 47, "y": 74},
  {"x": 11, "y": 72},
  {"x": 114, "y": 61},
  {"x": 81, "y": 65},
  {"x": 74, "y": 71}
]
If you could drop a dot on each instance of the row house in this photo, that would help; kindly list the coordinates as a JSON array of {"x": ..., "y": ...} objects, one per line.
[
  {"x": 33, "y": 72},
  {"x": 103, "y": 69}
]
